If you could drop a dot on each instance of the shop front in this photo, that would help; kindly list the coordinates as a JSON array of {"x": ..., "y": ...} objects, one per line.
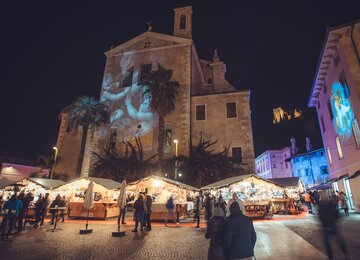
[
  {"x": 261, "y": 197},
  {"x": 105, "y": 196},
  {"x": 160, "y": 189}
]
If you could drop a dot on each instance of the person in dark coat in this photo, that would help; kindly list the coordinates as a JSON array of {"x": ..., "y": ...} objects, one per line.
[
  {"x": 11, "y": 209},
  {"x": 55, "y": 204},
  {"x": 44, "y": 208},
  {"x": 208, "y": 206},
  {"x": 215, "y": 232},
  {"x": 329, "y": 214},
  {"x": 170, "y": 209},
  {"x": 240, "y": 236},
  {"x": 38, "y": 210},
  {"x": 148, "y": 204},
  {"x": 139, "y": 213},
  {"x": 197, "y": 211}
]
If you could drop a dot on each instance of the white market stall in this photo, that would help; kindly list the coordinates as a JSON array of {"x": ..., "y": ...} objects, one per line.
[
  {"x": 160, "y": 189},
  {"x": 105, "y": 195},
  {"x": 257, "y": 194}
]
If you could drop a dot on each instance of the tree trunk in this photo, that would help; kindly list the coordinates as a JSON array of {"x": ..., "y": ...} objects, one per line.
[
  {"x": 82, "y": 151},
  {"x": 161, "y": 138}
]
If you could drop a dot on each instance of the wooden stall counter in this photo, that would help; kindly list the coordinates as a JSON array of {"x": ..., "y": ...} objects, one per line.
[
  {"x": 158, "y": 211},
  {"x": 256, "y": 209},
  {"x": 101, "y": 210},
  {"x": 283, "y": 206}
]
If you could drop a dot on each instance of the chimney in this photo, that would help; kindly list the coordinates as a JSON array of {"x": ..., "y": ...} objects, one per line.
[
  {"x": 308, "y": 144},
  {"x": 294, "y": 149}
]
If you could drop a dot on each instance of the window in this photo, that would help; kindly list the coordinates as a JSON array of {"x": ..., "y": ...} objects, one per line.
[
  {"x": 209, "y": 81},
  {"x": 356, "y": 131},
  {"x": 318, "y": 105},
  {"x": 200, "y": 112},
  {"x": 231, "y": 110},
  {"x": 182, "y": 22},
  {"x": 329, "y": 155},
  {"x": 322, "y": 124},
  {"x": 342, "y": 80},
  {"x": 286, "y": 165},
  {"x": 147, "y": 45},
  {"x": 336, "y": 59},
  {"x": 274, "y": 165},
  {"x": 339, "y": 149},
  {"x": 145, "y": 70},
  {"x": 128, "y": 79},
  {"x": 324, "y": 170},
  {"x": 325, "y": 87},
  {"x": 237, "y": 154},
  {"x": 330, "y": 111}
]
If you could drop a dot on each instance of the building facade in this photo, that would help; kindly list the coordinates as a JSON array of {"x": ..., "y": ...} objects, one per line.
[
  {"x": 311, "y": 167},
  {"x": 335, "y": 94},
  {"x": 272, "y": 164},
  {"x": 207, "y": 105}
]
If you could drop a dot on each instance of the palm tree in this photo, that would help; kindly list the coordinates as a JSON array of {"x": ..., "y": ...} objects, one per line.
[
  {"x": 163, "y": 94},
  {"x": 130, "y": 166},
  {"x": 205, "y": 166},
  {"x": 86, "y": 112}
]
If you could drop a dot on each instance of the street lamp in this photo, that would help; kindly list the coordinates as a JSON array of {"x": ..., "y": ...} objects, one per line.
[
  {"x": 55, "y": 157},
  {"x": 176, "y": 159}
]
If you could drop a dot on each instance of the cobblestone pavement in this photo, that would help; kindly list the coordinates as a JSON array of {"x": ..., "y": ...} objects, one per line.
[
  {"x": 182, "y": 242},
  {"x": 309, "y": 229}
]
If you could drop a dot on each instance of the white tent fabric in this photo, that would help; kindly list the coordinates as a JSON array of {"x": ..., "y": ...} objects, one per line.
[
  {"x": 89, "y": 197},
  {"x": 121, "y": 202}
]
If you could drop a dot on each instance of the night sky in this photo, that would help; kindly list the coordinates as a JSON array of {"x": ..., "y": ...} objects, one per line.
[{"x": 52, "y": 52}]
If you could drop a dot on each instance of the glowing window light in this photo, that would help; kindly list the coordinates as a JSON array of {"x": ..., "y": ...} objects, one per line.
[
  {"x": 338, "y": 146},
  {"x": 329, "y": 155}
]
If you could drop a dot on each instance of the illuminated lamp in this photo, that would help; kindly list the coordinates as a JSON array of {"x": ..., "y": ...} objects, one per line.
[{"x": 157, "y": 183}]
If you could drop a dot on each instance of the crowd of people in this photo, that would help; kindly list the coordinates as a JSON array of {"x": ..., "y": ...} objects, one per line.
[{"x": 16, "y": 209}]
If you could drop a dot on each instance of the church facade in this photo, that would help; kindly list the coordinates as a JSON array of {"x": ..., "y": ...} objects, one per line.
[{"x": 207, "y": 105}]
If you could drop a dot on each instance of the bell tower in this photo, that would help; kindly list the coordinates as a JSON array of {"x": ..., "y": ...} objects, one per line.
[{"x": 183, "y": 22}]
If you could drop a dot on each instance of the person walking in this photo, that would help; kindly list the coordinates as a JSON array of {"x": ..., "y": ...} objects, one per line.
[
  {"x": 170, "y": 209},
  {"x": 139, "y": 213},
  {"x": 308, "y": 202},
  {"x": 240, "y": 235},
  {"x": 26, "y": 200},
  {"x": 64, "y": 204},
  {"x": 38, "y": 210},
  {"x": 148, "y": 204},
  {"x": 208, "y": 206},
  {"x": 215, "y": 232},
  {"x": 12, "y": 209},
  {"x": 343, "y": 203},
  {"x": 44, "y": 208},
  {"x": 329, "y": 215},
  {"x": 221, "y": 203},
  {"x": 123, "y": 212},
  {"x": 197, "y": 211}
]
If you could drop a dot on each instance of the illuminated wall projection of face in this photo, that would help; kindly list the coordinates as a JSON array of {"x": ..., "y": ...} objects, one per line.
[
  {"x": 123, "y": 92},
  {"x": 342, "y": 111}
]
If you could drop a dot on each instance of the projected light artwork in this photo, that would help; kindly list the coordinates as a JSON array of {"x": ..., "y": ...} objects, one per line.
[
  {"x": 123, "y": 92},
  {"x": 341, "y": 109}
]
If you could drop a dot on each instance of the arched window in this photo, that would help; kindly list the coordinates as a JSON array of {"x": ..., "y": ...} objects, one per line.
[{"x": 182, "y": 22}]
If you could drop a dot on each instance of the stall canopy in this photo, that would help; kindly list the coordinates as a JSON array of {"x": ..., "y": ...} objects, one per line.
[
  {"x": 173, "y": 182},
  {"x": 227, "y": 182},
  {"x": 44, "y": 183},
  {"x": 290, "y": 182}
]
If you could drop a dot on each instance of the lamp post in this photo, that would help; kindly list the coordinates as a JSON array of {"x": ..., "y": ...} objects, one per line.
[
  {"x": 176, "y": 159},
  {"x": 55, "y": 157}
]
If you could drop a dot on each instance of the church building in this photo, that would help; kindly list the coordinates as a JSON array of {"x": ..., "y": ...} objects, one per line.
[{"x": 207, "y": 105}]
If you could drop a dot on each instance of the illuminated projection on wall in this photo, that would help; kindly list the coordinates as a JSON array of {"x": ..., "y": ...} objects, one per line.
[
  {"x": 341, "y": 109},
  {"x": 123, "y": 92}
]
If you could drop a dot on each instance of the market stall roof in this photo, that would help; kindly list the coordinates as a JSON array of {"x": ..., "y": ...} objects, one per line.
[
  {"x": 232, "y": 180},
  {"x": 107, "y": 183},
  {"x": 325, "y": 186},
  {"x": 357, "y": 173},
  {"x": 286, "y": 182},
  {"x": 179, "y": 184},
  {"x": 6, "y": 182},
  {"x": 47, "y": 183}
]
